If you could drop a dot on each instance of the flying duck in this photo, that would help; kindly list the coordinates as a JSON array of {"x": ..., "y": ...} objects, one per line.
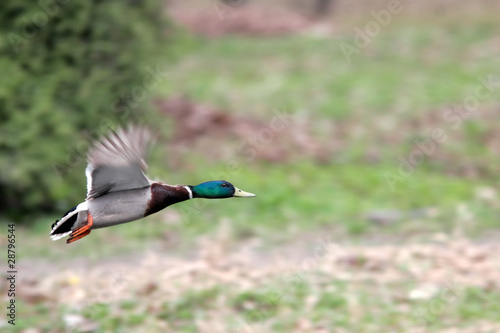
[{"x": 118, "y": 190}]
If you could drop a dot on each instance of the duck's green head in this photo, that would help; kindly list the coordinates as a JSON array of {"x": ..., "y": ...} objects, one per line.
[{"x": 218, "y": 189}]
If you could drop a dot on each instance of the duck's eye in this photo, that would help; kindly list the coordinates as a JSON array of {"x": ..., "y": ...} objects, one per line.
[{"x": 223, "y": 185}]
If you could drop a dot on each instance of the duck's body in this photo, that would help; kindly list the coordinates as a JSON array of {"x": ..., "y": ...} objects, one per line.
[
  {"x": 118, "y": 190},
  {"x": 119, "y": 207}
]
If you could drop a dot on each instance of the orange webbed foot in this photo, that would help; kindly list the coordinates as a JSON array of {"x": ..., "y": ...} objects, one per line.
[{"x": 82, "y": 231}]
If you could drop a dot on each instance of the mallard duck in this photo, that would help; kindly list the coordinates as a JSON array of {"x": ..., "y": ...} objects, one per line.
[{"x": 118, "y": 190}]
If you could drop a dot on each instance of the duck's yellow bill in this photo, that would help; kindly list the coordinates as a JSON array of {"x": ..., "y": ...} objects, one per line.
[{"x": 242, "y": 194}]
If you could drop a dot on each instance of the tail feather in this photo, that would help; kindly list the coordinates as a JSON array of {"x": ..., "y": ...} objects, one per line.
[{"x": 64, "y": 226}]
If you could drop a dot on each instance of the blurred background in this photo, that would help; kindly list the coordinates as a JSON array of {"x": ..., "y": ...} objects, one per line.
[{"x": 369, "y": 131}]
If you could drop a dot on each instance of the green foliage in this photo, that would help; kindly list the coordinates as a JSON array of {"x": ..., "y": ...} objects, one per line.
[{"x": 67, "y": 67}]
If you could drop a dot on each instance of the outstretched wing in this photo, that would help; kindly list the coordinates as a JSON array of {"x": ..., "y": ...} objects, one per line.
[{"x": 117, "y": 162}]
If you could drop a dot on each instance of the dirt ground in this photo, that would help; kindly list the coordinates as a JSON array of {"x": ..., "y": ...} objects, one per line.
[{"x": 435, "y": 268}]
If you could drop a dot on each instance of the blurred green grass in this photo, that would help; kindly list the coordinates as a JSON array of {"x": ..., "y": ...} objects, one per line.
[{"x": 406, "y": 68}]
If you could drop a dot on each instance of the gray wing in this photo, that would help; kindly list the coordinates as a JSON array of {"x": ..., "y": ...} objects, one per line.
[{"x": 117, "y": 162}]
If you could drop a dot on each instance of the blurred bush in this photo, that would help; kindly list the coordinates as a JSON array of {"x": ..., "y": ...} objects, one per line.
[{"x": 70, "y": 70}]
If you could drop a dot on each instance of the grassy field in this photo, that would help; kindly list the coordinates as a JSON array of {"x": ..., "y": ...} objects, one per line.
[{"x": 343, "y": 236}]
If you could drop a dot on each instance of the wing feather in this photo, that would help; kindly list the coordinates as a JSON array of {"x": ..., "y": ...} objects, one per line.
[{"x": 117, "y": 162}]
